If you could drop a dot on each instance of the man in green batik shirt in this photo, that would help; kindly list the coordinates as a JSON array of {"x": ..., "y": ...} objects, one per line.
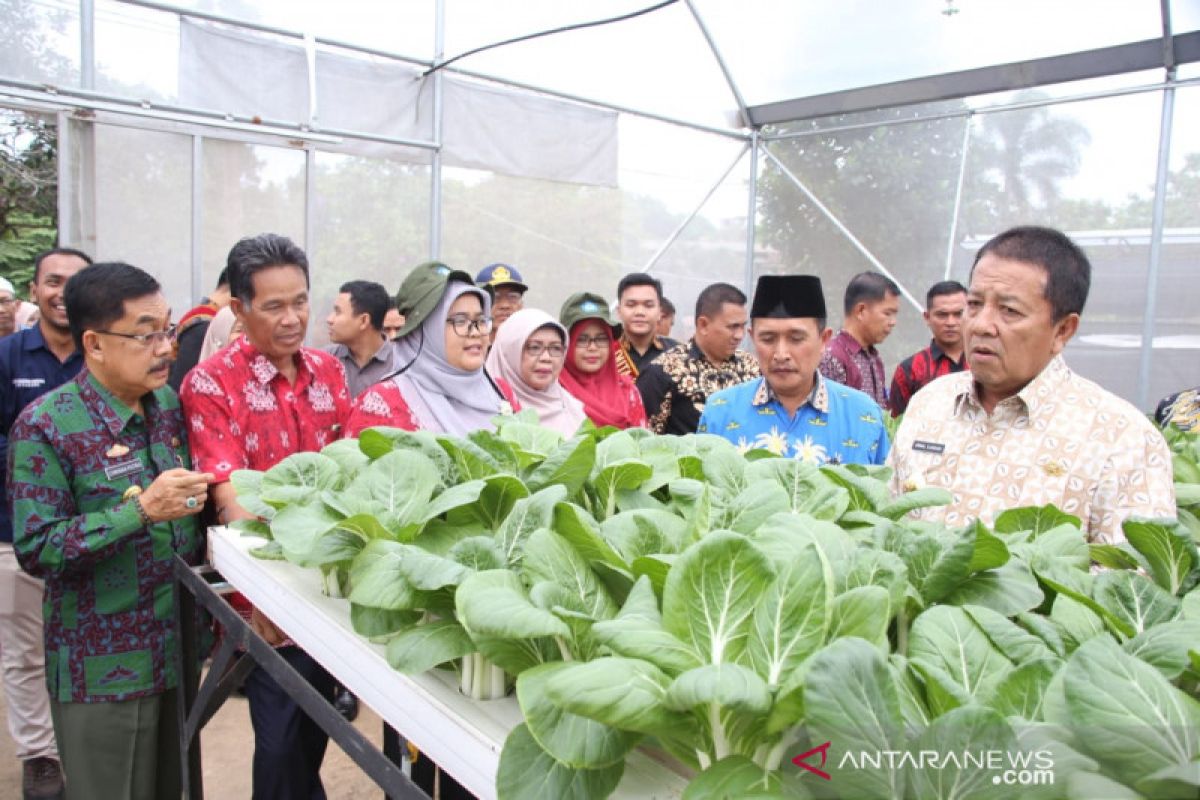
[{"x": 102, "y": 500}]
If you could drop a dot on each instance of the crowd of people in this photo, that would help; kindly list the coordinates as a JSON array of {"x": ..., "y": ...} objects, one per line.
[{"x": 120, "y": 430}]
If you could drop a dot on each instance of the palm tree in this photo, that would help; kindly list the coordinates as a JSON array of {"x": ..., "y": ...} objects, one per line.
[{"x": 1019, "y": 158}]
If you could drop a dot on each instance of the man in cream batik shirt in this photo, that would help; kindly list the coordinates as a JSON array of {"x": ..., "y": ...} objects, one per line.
[{"x": 1021, "y": 428}]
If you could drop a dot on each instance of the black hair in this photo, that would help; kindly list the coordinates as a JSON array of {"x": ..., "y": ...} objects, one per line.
[
  {"x": 716, "y": 295},
  {"x": 223, "y": 278},
  {"x": 1068, "y": 271},
  {"x": 639, "y": 279},
  {"x": 370, "y": 298},
  {"x": 95, "y": 297},
  {"x": 868, "y": 287},
  {"x": 668, "y": 308},
  {"x": 56, "y": 251},
  {"x": 256, "y": 253},
  {"x": 942, "y": 288}
]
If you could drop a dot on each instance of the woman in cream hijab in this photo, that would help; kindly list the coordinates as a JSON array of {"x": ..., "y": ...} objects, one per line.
[
  {"x": 528, "y": 354},
  {"x": 223, "y": 329}
]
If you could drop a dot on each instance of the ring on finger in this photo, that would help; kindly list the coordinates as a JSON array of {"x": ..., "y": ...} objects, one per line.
[{"x": 191, "y": 502}]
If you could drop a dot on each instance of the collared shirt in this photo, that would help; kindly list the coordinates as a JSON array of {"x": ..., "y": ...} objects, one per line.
[
  {"x": 27, "y": 371},
  {"x": 850, "y": 364},
  {"x": 632, "y": 363},
  {"x": 109, "y": 600},
  {"x": 378, "y": 367},
  {"x": 675, "y": 387},
  {"x": 1062, "y": 440},
  {"x": 244, "y": 414},
  {"x": 918, "y": 370},
  {"x": 836, "y": 424}
]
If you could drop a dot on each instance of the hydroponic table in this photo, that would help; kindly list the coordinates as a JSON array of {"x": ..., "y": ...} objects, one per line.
[{"x": 463, "y": 736}]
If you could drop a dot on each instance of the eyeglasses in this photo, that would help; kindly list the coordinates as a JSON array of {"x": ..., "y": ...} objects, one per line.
[
  {"x": 585, "y": 342},
  {"x": 466, "y": 326},
  {"x": 535, "y": 350},
  {"x": 153, "y": 339}
]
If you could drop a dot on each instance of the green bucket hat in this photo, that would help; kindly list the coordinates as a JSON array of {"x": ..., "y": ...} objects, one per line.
[
  {"x": 584, "y": 305},
  {"x": 422, "y": 290}
]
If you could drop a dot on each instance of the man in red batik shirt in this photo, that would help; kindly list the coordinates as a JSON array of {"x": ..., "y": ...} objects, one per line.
[
  {"x": 249, "y": 407},
  {"x": 945, "y": 303}
]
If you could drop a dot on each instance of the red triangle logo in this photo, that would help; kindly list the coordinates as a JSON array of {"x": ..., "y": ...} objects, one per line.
[{"x": 802, "y": 760}]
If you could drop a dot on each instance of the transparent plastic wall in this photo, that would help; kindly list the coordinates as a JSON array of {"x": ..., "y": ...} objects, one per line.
[
  {"x": 247, "y": 189},
  {"x": 565, "y": 238},
  {"x": 133, "y": 197},
  {"x": 1077, "y": 167},
  {"x": 1175, "y": 361},
  {"x": 892, "y": 187},
  {"x": 370, "y": 222},
  {"x": 1085, "y": 167},
  {"x": 39, "y": 41}
]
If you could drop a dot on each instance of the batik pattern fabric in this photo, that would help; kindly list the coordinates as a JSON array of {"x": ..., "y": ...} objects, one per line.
[
  {"x": 631, "y": 363},
  {"x": 109, "y": 600},
  {"x": 1061, "y": 440},
  {"x": 676, "y": 386},
  {"x": 919, "y": 370},
  {"x": 835, "y": 425},
  {"x": 242, "y": 412},
  {"x": 1181, "y": 410},
  {"x": 850, "y": 364}
]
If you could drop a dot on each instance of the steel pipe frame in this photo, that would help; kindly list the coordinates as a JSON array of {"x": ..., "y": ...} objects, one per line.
[
  {"x": 842, "y": 228},
  {"x": 1114, "y": 60},
  {"x": 1158, "y": 220},
  {"x": 1055, "y": 69},
  {"x": 200, "y": 701}
]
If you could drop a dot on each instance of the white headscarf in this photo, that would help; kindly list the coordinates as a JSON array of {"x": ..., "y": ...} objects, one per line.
[
  {"x": 442, "y": 397},
  {"x": 219, "y": 333},
  {"x": 556, "y": 407}
]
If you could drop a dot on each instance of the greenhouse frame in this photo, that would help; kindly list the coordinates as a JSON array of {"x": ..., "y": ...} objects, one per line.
[{"x": 698, "y": 141}]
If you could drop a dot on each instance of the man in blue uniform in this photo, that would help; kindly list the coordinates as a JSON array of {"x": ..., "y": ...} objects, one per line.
[{"x": 792, "y": 410}]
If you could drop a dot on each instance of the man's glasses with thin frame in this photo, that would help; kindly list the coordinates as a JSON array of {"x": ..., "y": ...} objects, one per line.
[{"x": 152, "y": 339}]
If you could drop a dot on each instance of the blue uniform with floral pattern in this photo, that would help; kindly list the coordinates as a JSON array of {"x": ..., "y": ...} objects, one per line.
[{"x": 836, "y": 425}]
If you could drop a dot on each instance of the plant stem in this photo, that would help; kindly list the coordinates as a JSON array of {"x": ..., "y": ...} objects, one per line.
[
  {"x": 775, "y": 755},
  {"x": 705, "y": 761},
  {"x": 720, "y": 745},
  {"x": 468, "y": 671},
  {"x": 498, "y": 683},
  {"x": 563, "y": 649},
  {"x": 902, "y": 631},
  {"x": 330, "y": 585}
]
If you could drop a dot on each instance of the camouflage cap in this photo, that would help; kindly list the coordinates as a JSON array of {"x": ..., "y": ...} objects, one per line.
[
  {"x": 422, "y": 290},
  {"x": 584, "y": 305}
]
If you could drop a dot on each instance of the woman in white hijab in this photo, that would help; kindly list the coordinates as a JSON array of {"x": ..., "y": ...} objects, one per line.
[
  {"x": 529, "y": 353},
  {"x": 222, "y": 330},
  {"x": 442, "y": 386}
]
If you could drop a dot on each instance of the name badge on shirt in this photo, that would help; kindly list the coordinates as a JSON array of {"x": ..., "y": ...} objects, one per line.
[
  {"x": 929, "y": 447},
  {"x": 120, "y": 470}
]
